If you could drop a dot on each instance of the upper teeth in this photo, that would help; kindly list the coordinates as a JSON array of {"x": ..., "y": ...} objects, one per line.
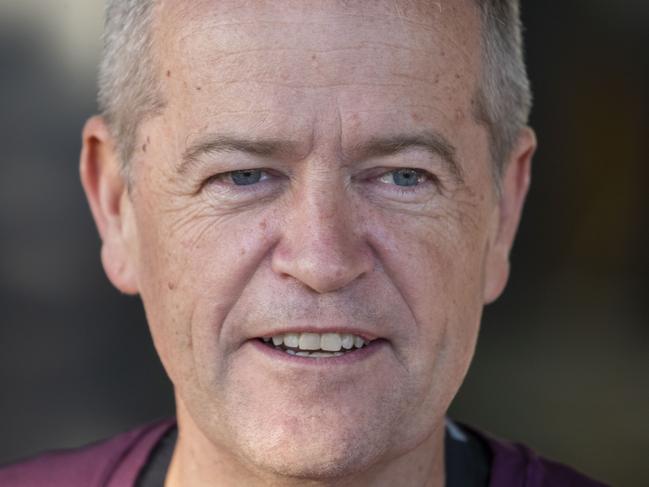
[{"x": 330, "y": 342}]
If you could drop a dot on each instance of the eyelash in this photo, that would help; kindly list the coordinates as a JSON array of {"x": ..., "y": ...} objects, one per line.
[
  {"x": 230, "y": 186},
  {"x": 427, "y": 177},
  {"x": 402, "y": 190}
]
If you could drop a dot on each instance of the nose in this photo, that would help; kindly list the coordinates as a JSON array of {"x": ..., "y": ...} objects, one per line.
[{"x": 322, "y": 245}]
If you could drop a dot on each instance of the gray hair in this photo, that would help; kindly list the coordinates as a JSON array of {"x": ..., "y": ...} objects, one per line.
[
  {"x": 504, "y": 97},
  {"x": 129, "y": 78},
  {"x": 129, "y": 81}
]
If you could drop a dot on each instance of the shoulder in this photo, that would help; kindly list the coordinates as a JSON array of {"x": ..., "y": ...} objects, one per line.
[
  {"x": 515, "y": 465},
  {"x": 112, "y": 462}
]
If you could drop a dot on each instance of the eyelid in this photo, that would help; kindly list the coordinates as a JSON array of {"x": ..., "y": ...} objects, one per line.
[
  {"x": 422, "y": 192},
  {"x": 224, "y": 175},
  {"x": 378, "y": 173},
  {"x": 222, "y": 186},
  {"x": 427, "y": 175},
  {"x": 419, "y": 172}
]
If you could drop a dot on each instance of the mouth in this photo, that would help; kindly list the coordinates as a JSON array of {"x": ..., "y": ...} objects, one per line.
[{"x": 316, "y": 345}]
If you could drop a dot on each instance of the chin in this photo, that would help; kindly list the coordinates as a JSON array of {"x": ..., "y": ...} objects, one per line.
[
  {"x": 321, "y": 448},
  {"x": 319, "y": 460}
]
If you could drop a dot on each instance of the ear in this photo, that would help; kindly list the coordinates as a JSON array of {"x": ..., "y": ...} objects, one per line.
[
  {"x": 514, "y": 186},
  {"x": 110, "y": 204}
]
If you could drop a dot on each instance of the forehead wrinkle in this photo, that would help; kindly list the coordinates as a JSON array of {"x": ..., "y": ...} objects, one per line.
[
  {"x": 404, "y": 11},
  {"x": 403, "y": 106},
  {"x": 315, "y": 86},
  {"x": 462, "y": 49},
  {"x": 218, "y": 51},
  {"x": 196, "y": 19},
  {"x": 314, "y": 50}
]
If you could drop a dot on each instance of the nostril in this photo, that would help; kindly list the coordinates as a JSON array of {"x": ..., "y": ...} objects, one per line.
[{"x": 322, "y": 263}]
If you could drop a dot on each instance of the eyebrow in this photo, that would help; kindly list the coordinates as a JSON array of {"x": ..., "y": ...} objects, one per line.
[
  {"x": 215, "y": 144},
  {"x": 432, "y": 142}
]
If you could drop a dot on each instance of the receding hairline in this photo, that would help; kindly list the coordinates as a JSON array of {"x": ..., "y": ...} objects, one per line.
[{"x": 484, "y": 112}]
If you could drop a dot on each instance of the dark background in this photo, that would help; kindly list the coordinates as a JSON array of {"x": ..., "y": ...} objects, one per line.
[{"x": 562, "y": 361}]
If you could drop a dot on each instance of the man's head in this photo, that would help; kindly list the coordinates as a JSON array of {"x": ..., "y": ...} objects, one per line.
[{"x": 321, "y": 169}]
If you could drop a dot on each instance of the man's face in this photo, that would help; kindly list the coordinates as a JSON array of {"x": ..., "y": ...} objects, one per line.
[{"x": 363, "y": 206}]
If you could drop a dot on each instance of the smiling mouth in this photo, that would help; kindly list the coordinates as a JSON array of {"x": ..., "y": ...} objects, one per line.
[{"x": 316, "y": 345}]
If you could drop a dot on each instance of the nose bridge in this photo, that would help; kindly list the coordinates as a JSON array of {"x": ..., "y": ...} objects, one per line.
[
  {"x": 323, "y": 201},
  {"x": 324, "y": 213},
  {"x": 322, "y": 245}
]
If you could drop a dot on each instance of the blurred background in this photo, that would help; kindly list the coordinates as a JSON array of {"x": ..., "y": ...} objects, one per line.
[{"x": 562, "y": 363}]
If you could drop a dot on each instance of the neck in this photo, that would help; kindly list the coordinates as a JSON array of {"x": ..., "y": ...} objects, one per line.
[{"x": 199, "y": 462}]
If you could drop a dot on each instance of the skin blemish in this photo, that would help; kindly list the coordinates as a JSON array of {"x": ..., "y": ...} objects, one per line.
[
  {"x": 168, "y": 73},
  {"x": 171, "y": 286},
  {"x": 263, "y": 224},
  {"x": 143, "y": 147},
  {"x": 199, "y": 88}
]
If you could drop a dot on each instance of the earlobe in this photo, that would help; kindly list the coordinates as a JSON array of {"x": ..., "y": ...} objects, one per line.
[
  {"x": 107, "y": 196},
  {"x": 515, "y": 184}
]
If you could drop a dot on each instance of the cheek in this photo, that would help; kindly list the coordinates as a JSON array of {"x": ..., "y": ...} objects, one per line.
[
  {"x": 436, "y": 263},
  {"x": 435, "y": 260},
  {"x": 192, "y": 268},
  {"x": 433, "y": 263}
]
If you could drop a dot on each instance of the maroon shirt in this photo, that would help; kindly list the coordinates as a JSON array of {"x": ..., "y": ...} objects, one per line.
[{"x": 116, "y": 462}]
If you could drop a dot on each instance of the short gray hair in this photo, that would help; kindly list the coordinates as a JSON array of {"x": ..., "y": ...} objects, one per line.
[
  {"x": 504, "y": 97},
  {"x": 129, "y": 77}
]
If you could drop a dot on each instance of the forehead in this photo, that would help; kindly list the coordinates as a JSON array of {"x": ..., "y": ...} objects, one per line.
[{"x": 283, "y": 65}]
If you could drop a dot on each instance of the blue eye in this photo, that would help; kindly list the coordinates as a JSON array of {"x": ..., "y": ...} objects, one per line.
[
  {"x": 246, "y": 176},
  {"x": 404, "y": 177}
]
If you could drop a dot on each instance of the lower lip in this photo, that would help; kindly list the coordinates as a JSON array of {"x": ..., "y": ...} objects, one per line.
[{"x": 358, "y": 355}]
